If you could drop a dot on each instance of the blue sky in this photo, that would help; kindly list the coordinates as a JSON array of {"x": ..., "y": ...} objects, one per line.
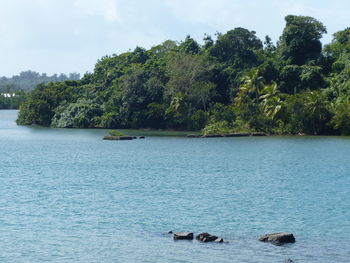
[{"x": 62, "y": 36}]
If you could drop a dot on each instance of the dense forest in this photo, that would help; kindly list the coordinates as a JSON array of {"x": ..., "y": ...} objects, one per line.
[
  {"x": 13, "y": 90},
  {"x": 234, "y": 82}
]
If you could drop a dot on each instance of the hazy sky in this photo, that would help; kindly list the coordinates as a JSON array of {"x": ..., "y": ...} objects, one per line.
[{"x": 62, "y": 36}]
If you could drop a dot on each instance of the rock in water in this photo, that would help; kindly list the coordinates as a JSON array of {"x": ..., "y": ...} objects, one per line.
[
  {"x": 278, "y": 238},
  {"x": 258, "y": 134},
  {"x": 183, "y": 236},
  {"x": 288, "y": 261},
  {"x": 219, "y": 240},
  {"x": 205, "y": 237},
  {"x": 193, "y": 136},
  {"x": 118, "y": 138}
]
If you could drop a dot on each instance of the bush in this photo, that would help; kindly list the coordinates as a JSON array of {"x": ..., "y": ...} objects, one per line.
[
  {"x": 220, "y": 127},
  {"x": 116, "y": 133}
]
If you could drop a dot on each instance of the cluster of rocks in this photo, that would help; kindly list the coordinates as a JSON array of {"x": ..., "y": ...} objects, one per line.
[
  {"x": 122, "y": 138},
  {"x": 277, "y": 239},
  {"x": 203, "y": 237},
  {"x": 227, "y": 135}
]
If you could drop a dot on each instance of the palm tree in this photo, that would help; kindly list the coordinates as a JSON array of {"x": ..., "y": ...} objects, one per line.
[
  {"x": 271, "y": 101},
  {"x": 252, "y": 83},
  {"x": 247, "y": 99},
  {"x": 316, "y": 107}
]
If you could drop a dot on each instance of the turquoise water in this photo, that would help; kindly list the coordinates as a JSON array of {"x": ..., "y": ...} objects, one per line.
[{"x": 68, "y": 196}]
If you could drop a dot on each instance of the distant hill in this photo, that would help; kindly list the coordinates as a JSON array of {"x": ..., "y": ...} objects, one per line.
[{"x": 27, "y": 80}]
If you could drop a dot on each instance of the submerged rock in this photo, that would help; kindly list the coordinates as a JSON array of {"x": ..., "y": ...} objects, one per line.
[
  {"x": 288, "y": 261},
  {"x": 242, "y": 134},
  {"x": 193, "y": 136},
  {"x": 237, "y": 134},
  {"x": 212, "y": 136},
  {"x": 206, "y": 237},
  {"x": 259, "y": 134},
  {"x": 118, "y": 138},
  {"x": 183, "y": 236},
  {"x": 167, "y": 233},
  {"x": 278, "y": 238},
  {"x": 220, "y": 240}
]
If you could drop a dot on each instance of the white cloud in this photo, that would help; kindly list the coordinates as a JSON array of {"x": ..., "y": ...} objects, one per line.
[
  {"x": 108, "y": 9},
  {"x": 205, "y": 11}
]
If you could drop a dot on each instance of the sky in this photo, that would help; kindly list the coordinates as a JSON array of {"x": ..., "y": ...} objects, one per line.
[{"x": 63, "y": 36}]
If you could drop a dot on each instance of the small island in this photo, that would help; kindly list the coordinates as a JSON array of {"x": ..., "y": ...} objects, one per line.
[
  {"x": 236, "y": 83},
  {"x": 115, "y": 135}
]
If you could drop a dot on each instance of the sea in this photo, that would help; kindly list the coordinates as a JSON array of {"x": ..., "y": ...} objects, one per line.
[{"x": 66, "y": 195}]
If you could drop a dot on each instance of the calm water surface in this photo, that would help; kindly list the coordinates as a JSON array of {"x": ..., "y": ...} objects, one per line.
[{"x": 68, "y": 196}]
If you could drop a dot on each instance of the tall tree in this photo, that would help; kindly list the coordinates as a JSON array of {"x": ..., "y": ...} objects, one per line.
[
  {"x": 237, "y": 48},
  {"x": 300, "y": 41},
  {"x": 271, "y": 101}
]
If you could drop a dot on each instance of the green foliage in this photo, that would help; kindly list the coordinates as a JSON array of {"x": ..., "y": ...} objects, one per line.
[
  {"x": 300, "y": 41},
  {"x": 220, "y": 127},
  {"x": 35, "y": 112},
  {"x": 232, "y": 83},
  {"x": 81, "y": 114},
  {"x": 295, "y": 78},
  {"x": 271, "y": 101},
  {"x": 237, "y": 48},
  {"x": 340, "y": 44},
  {"x": 189, "y": 46},
  {"x": 116, "y": 133},
  {"x": 40, "y": 105},
  {"x": 308, "y": 112},
  {"x": 11, "y": 100},
  {"x": 198, "y": 120},
  {"x": 341, "y": 117}
]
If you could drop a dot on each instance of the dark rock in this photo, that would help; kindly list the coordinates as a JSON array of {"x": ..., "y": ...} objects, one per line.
[
  {"x": 183, "y": 236},
  {"x": 205, "y": 237},
  {"x": 237, "y": 135},
  {"x": 134, "y": 137},
  {"x": 219, "y": 240},
  {"x": 212, "y": 136},
  {"x": 264, "y": 238},
  {"x": 193, "y": 136},
  {"x": 278, "y": 238},
  {"x": 117, "y": 138},
  {"x": 122, "y": 138},
  {"x": 288, "y": 261},
  {"x": 258, "y": 134},
  {"x": 142, "y": 137}
]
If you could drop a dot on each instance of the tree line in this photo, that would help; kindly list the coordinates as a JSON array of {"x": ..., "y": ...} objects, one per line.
[
  {"x": 13, "y": 90},
  {"x": 235, "y": 82},
  {"x": 28, "y": 80}
]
